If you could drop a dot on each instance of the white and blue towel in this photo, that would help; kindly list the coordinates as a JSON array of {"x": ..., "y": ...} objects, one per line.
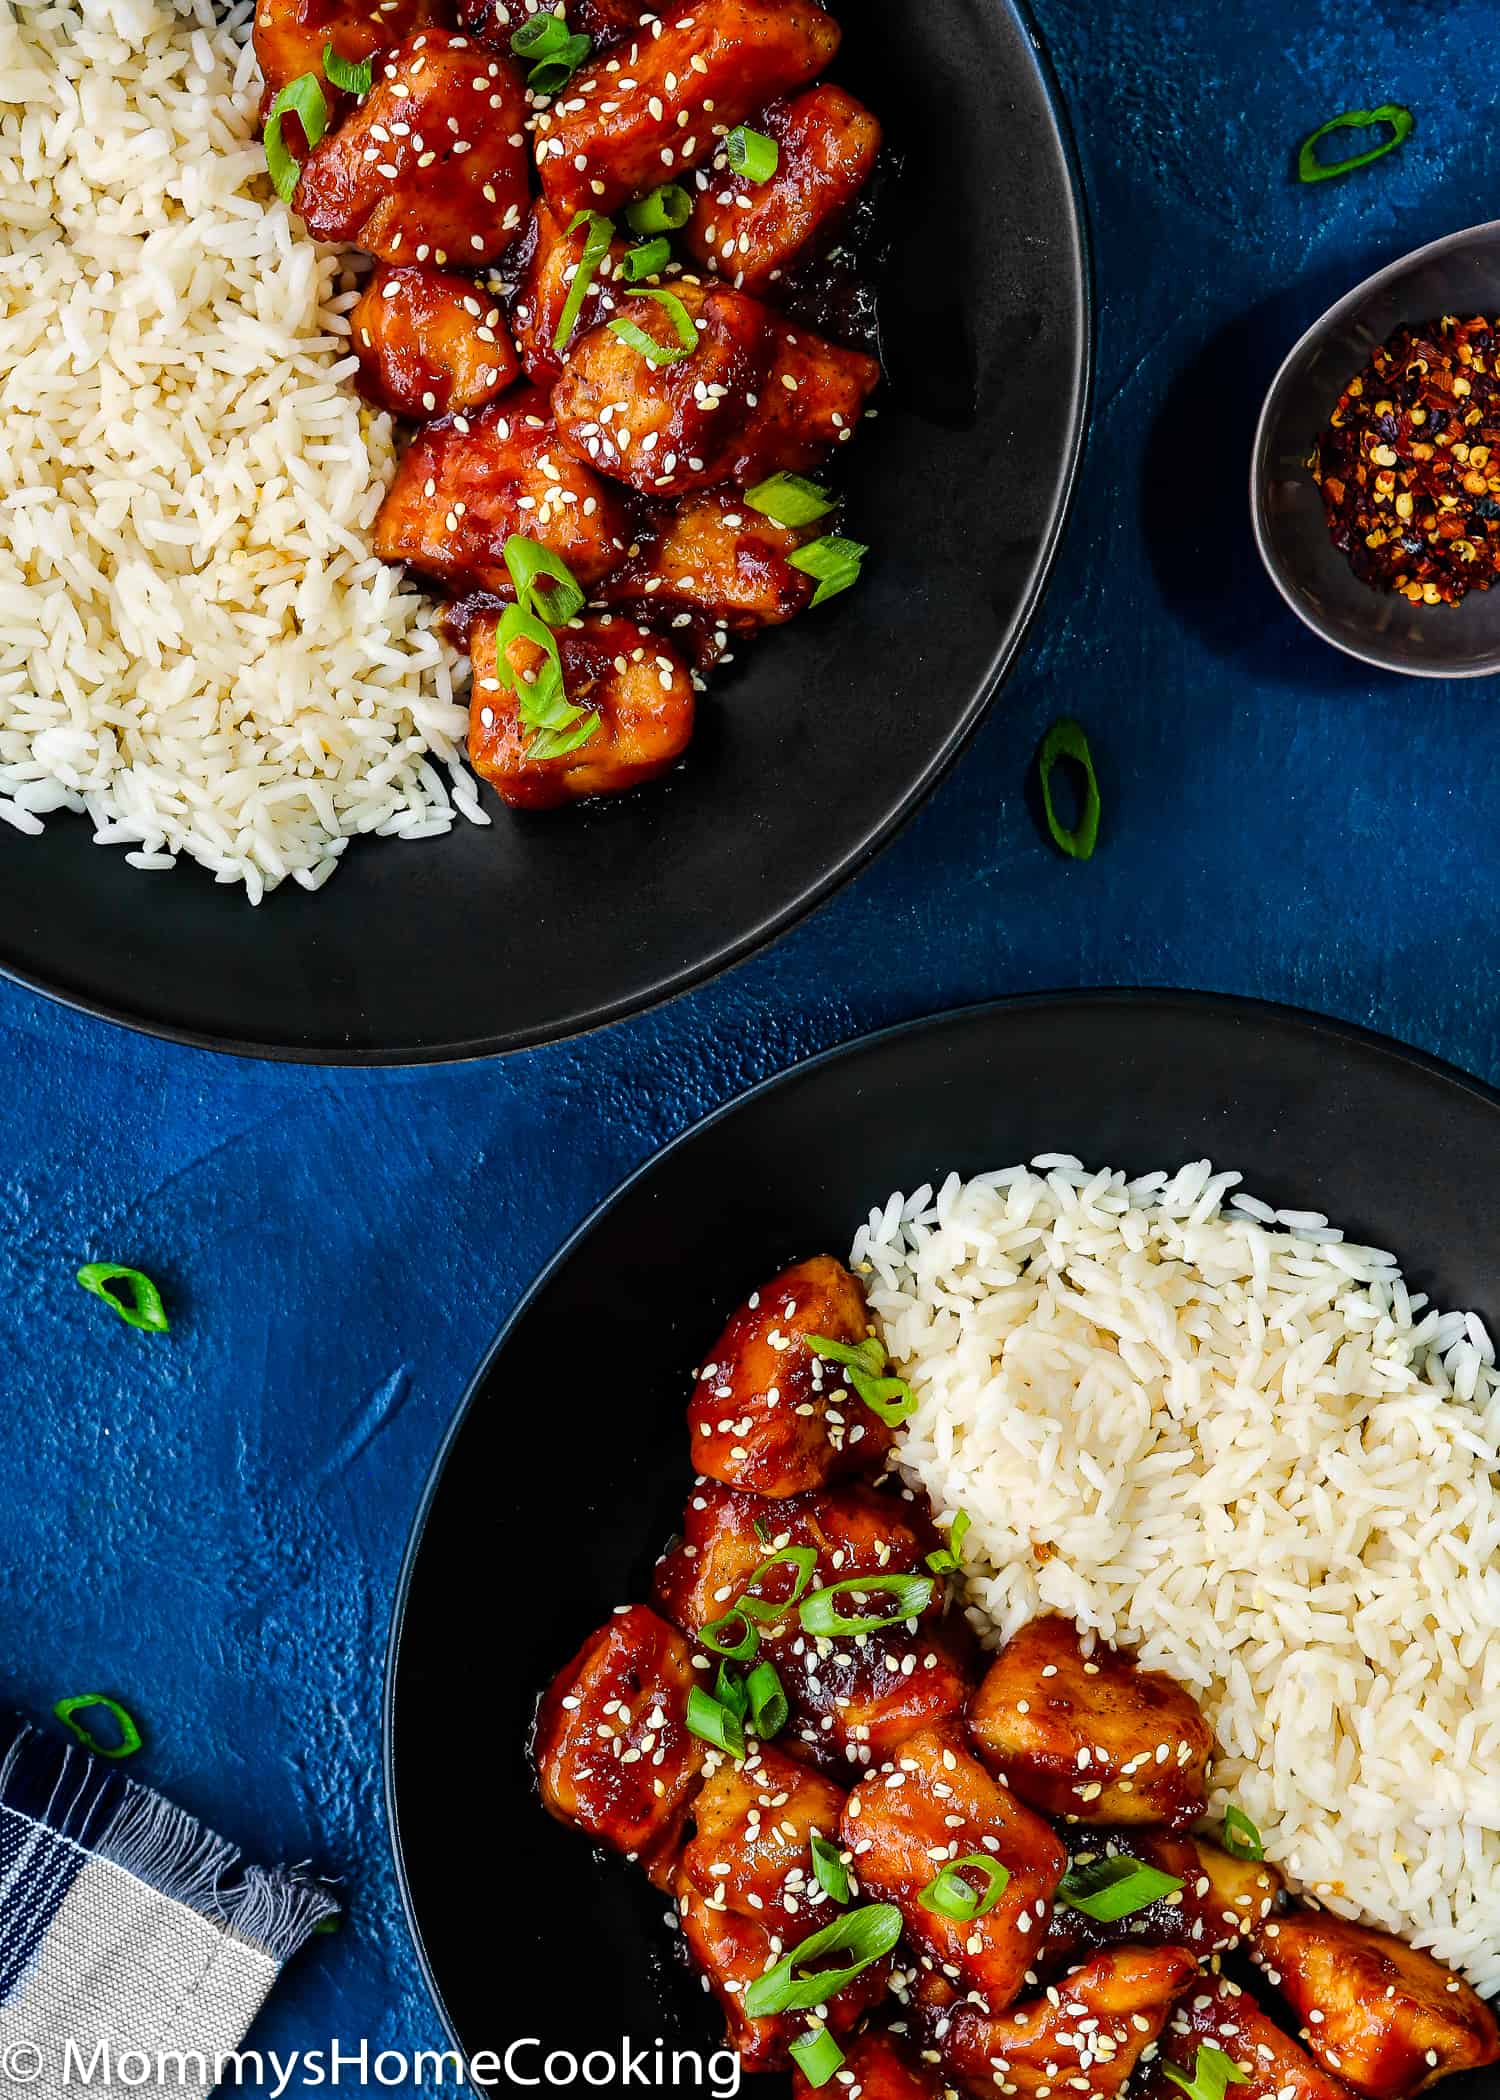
[{"x": 126, "y": 1927}]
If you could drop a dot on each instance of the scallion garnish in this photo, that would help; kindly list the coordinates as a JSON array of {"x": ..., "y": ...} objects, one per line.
[
  {"x": 729, "y": 1690},
  {"x": 816, "y": 2054},
  {"x": 950, "y": 1896},
  {"x": 1066, "y": 739},
  {"x": 553, "y": 74},
  {"x": 946, "y": 1560},
  {"x": 88, "y": 1702},
  {"x": 542, "y": 701},
  {"x": 1213, "y": 2072},
  {"x": 354, "y": 78},
  {"x": 713, "y": 1723},
  {"x": 790, "y": 499},
  {"x": 601, "y": 232},
  {"x": 1401, "y": 121},
  {"x": 889, "y": 1398},
  {"x": 833, "y": 561},
  {"x": 768, "y": 1703},
  {"x": 663, "y": 211},
  {"x": 866, "y": 1934},
  {"x": 304, "y": 99},
  {"x": 141, "y": 1308},
  {"x": 751, "y": 153},
  {"x": 733, "y": 1636},
  {"x": 554, "y": 55},
  {"x": 648, "y": 260},
  {"x": 528, "y": 559},
  {"x": 803, "y": 1558},
  {"x": 1113, "y": 1887},
  {"x": 1241, "y": 1836},
  {"x": 647, "y": 346},
  {"x": 829, "y": 1871},
  {"x": 909, "y": 1594}
]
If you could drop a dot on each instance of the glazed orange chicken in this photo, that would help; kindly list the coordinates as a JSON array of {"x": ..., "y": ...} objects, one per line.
[
  {"x": 904, "y": 1875},
  {"x": 597, "y": 229}
]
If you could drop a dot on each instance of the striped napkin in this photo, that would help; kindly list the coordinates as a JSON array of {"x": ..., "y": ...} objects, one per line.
[{"x": 126, "y": 1926}]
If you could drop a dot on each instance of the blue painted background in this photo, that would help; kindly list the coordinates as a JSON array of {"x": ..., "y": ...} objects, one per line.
[{"x": 211, "y": 1525}]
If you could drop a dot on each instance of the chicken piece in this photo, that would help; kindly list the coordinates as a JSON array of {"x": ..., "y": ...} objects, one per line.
[
  {"x": 716, "y": 557},
  {"x": 750, "y": 232},
  {"x": 1085, "y": 2036},
  {"x": 546, "y": 259},
  {"x": 812, "y": 400},
  {"x": 659, "y": 105},
  {"x": 727, "y": 1534},
  {"x": 755, "y": 1821},
  {"x": 465, "y": 485},
  {"x": 429, "y": 342},
  {"x": 1221, "y": 1901},
  {"x": 612, "y": 1751},
  {"x": 1220, "y": 2013},
  {"x": 667, "y": 428},
  {"x": 1387, "y": 2018},
  {"x": 938, "y": 1803},
  {"x": 878, "y": 2066},
  {"x": 770, "y": 1415},
  {"x": 855, "y": 1702},
  {"x": 1098, "y": 1739},
  {"x": 635, "y": 682},
  {"x": 432, "y": 164},
  {"x": 290, "y": 37},
  {"x": 732, "y": 1951}
]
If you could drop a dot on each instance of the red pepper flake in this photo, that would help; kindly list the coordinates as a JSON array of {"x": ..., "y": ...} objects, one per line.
[{"x": 1409, "y": 465}]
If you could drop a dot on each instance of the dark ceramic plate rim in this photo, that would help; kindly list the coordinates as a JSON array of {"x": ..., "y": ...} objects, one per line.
[
  {"x": 1330, "y": 317},
  {"x": 584, "y": 1022},
  {"x": 1253, "y": 1012}
]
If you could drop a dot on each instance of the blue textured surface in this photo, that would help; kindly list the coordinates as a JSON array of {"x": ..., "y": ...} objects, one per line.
[{"x": 211, "y": 1524}]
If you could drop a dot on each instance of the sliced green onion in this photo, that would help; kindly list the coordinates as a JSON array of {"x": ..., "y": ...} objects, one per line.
[
  {"x": 354, "y": 78},
  {"x": 866, "y": 1934},
  {"x": 1066, "y": 739},
  {"x": 713, "y": 1723},
  {"x": 803, "y": 1558},
  {"x": 789, "y": 499},
  {"x": 909, "y": 1594},
  {"x": 891, "y": 1399},
  {"x": 554, "y": 73},
  {"x": 1401, "y": 121},
  {"x": 729, "y": 1690},
  {"x": 763, "y": 1531},
  {"x": 539, "y": 36},
  {"x": 816, "y": 2054},
  {"x": 1213, "y": 2071},
  {"x": 305, "y": 99},
  {"x": 601, "y": 232},
  {"x": 648, "y": 260},
  {"x": 751, "y": 153},
  {"x": 142, "y": 1308},
  {"x": 662, "y": 212},
  {"x": 950, "y": 1896},
  {"x": 1241, "y": 1836},
  {"x": 768, "y": 1705},
  {"x": 528, "y": 559},
  {"x": 834, "y": 562},
  {"x": 1112, "y": 1888},
  {"x": 947, "y": 1559},
  {"x": 543, "y": 704},
  {"x": 88, "y": 1702},
  {"x": 829, "y": 1871},
  {"x": 646, "y": 345},
  {"x": 733, "y": 1636}
]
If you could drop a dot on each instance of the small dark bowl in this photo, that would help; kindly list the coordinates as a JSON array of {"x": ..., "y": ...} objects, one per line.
[{"x": 1458, "y": 274}]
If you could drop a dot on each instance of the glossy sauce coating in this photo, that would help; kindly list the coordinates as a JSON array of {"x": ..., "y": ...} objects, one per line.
[
  {"x": 429, "y": 342},
  {"x": 290, "y": 37},
  {"x": 713, "y": 557},
  {"x": 752, "y": 1848},
  {"x": 1220, "y": 1903},
  {"x": 1217, "y": 2011}
]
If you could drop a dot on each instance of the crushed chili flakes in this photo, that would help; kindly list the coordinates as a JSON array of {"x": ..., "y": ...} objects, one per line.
[{"x": 1409, "y": 465}]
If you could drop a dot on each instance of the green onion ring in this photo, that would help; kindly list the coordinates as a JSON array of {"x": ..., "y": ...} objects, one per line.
[
  {"x": 867, "y": 1934},
  {"x": 601, "y": 232},
  {"x": 948, "y": 1895},
  {"x": 719, "y": 1638},
  {"x": 1066, "y": 739},
  {"x": 910, "y": 1595},
  {"x": 354, "y": 78},
  {"x": 752, "y": 154},
  {"x": 1400, "y": 119},
  {"x": 1213, "y": 2072},
  {"x": 713, "y": 1723},
  {"x": 305, "y": 99},
  {"x": 1240, "y": 1836},
  {"x": 86, "y": 1702},
  {"x": 829, "y": 1871},
  {"x": 663, "y": 211},
  {"x": 768, "y": 1702},
  {"x": 816, "y": 2054},
  {"x": 145, "y": 1310},
  {"x": 1114, "y": 1887}
]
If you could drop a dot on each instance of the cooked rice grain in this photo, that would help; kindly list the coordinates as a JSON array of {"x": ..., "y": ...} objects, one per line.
[
  {"x": 197, "y": 646},
  {"x": 1244, "y": 1449}
]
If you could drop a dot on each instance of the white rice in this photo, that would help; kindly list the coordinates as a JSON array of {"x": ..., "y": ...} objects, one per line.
[
  {"x": 197, "y": 647},
  {"x": 1257, "y": 1459}
]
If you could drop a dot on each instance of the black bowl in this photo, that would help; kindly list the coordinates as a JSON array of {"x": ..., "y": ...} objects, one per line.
[
  {"x": 1459, "y": 274},
  {"x": 812, "y": 748},
  {"x": 566, "y": 1469}
]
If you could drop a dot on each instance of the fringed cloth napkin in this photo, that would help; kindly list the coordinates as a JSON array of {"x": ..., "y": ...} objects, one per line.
[{"x": 126, "y": 1926}]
